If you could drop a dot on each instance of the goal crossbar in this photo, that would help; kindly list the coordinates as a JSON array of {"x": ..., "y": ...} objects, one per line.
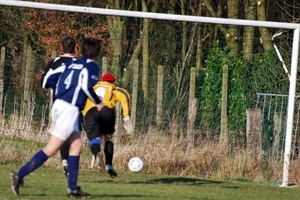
[
  {"x": 150, "y": 15},
  {"x": 198, "y": 19}
]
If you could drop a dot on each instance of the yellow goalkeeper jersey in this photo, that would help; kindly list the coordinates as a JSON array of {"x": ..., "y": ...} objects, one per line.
[{"x": 110, "y": 95}]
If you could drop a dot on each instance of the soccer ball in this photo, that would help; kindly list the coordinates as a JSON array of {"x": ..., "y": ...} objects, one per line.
[{"x": 135, "y": 164}]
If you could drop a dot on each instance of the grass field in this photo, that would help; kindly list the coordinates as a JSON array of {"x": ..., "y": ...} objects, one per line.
[{"x": 49, "y": 183}]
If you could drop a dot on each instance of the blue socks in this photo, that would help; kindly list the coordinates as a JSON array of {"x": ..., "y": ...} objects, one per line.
[
  {"x": 36, "y": 161},
  {"x": 73, "y": 165},
  {"x": 95, "y": 141}
]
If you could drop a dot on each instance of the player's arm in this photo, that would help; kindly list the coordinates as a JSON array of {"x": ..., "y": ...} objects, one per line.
[
  {"x": 123, "y": 97},
  {"x": 89, "y": 79},
  {"x": 46, "y": 69},
  {"x": 51, "y": 77}
]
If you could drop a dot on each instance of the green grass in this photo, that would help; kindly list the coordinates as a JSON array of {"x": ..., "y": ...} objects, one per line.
[{"x": 49, "y": 183}]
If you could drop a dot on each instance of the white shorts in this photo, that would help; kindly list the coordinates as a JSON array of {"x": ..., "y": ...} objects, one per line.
[{"x": 64, "y": 117}]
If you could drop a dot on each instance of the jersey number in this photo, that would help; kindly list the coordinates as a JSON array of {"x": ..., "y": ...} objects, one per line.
[{"x": 68, "y": 80}]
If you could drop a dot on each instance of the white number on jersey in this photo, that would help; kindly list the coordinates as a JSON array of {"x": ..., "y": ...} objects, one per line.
[
  {"x": 68, "y": 80},
  {"x": 100, "y": 92}
]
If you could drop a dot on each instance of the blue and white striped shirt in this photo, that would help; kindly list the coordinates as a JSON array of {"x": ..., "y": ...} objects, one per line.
[{"x": 74, "y": 81}]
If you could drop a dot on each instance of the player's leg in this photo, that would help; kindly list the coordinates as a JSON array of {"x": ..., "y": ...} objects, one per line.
[
  {"x": 41, "y": 156},
  {"x": 108, "y": 128},
  {"x": 92, "y": 129},
  {"x": 65, "y": 148},
  {"x": 64, "y": 154},
  {"x": 36, "y": 161},
  {"x": 76, "y": 145},
  {"x": 109, "y": 152}
]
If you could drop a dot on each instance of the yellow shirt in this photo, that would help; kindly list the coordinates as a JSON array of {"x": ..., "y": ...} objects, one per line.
[{"x": 110, "y": 96}]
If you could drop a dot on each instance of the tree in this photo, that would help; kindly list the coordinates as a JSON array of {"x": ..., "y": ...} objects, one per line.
[
  {"x": 230, "y": 33},
  {"x": 248, "y": 41},
  {"x": 266, "y": 38}
]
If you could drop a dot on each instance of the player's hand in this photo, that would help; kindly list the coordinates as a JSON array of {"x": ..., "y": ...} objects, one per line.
[
  {"x": 100, "y": 106},
  {"x": 127, "y": 124}
]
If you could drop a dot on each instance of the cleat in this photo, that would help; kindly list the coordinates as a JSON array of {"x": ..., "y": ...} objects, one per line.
[
  {"x": 65, "y": 167},
  {"x": 111, "y": 171},
  {"x": 16, "y": 182},
  {"x": 78, "y": 194},
  {"x": 99, "y": 161}
]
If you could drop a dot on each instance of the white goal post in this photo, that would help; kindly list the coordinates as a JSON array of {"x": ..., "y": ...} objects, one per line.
[{"x": 198, "y": 19}]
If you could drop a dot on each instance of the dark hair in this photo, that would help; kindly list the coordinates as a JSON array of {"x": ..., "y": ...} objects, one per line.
[
  {"x": 68, "y": 44},
  {"x": 91, "y": 48}
]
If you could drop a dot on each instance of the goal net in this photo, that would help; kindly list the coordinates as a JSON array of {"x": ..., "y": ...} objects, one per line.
[{"x": 202, "y": 88}]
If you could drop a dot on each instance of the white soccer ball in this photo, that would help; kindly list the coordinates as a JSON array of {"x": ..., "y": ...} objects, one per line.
[{"x": 135, "y": 164}]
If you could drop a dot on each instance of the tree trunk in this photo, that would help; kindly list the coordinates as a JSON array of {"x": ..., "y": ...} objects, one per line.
[
  {"x": 131, "y": 64},
  {"x": 232, "y": 37},
  {"x": 266, "y": 37},
  {"x": 248, "y": 41},
  {"x": 115, "y": 30},
  {"x": 116, "y": 25},
  {"x": 145, "y": 62},
  {"x": 199, "y": 51},
  {"x": 230, "y": 34}
]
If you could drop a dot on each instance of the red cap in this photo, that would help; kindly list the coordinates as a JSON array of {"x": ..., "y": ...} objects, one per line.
[{"x": 108, "y": 77}]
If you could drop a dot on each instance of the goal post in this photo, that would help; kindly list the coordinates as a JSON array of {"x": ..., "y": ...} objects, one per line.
[
  {"x": 199, "y": 19},
  {"x": 290, "y": 114}
]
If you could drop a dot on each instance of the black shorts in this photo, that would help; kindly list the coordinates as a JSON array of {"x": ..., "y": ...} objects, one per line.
[{"x": 101, "y": 122}]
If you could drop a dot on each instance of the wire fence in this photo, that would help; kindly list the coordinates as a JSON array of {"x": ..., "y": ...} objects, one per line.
[{"x": 274, "y": 114}]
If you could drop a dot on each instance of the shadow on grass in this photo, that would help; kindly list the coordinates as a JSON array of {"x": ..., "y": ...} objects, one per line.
[
  {"x": 178, "y": 180},
  {"x": 31, "y": 195},
  {"x": 173, "y": 180},
  {"x": 138, "y": 196},
  {"x": 123, "y": 196}
]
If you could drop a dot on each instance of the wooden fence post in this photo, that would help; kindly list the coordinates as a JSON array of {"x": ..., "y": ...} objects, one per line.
[
  {"x": 134, "y": 95},
  {"x": 224, "y": 136},
  {"x": 2, "y": 61},
  {"x": 160, "y": 77},
  {"x": 104, "y": 66},
  {"x": 192, "y": 111},
  {"x": 253, "y": 133},
  {"x": 277, "y": 133}
]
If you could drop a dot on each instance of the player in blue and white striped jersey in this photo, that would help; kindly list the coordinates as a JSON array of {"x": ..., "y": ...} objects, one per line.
[
  {"x": 67, "y": 48},
  {"x": 74, "y": 82}
]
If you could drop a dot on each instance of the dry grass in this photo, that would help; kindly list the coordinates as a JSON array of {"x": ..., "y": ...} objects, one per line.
[{"x": 161, "y": 154}]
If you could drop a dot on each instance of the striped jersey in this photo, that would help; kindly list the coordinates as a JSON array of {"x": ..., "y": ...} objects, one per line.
[
  {"x": 54, "y": 64},
  {"x": 74, "y": 81}
]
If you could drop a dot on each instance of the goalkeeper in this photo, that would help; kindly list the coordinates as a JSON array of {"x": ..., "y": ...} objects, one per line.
[{"x": 103, "y": 122}]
